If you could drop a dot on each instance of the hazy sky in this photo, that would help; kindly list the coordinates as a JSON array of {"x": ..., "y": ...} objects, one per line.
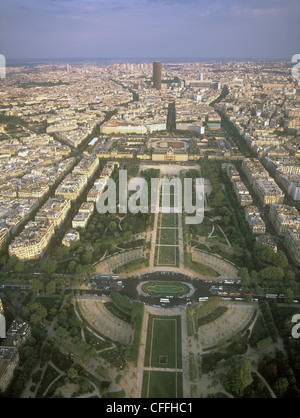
[{"x": 149, "y": 28}]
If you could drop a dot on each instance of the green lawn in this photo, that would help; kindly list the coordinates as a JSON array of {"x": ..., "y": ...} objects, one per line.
[
  {"x": 168, "y": 220},
  {"x": 157, "y": 384},
  {"x": 167, "y": 236},
  {"x": 165, "y": 288},
  {"x": 219, "y": 311},
  {"x": 47, "y": 302},
  {"x": 117, "y": 312},
  {"x": 163, "y": 347},
  {"x": 166, "y": 256}
]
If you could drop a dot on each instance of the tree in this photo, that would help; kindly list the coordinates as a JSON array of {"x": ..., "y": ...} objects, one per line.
[
  {"x": 12, "y": 261},
  {"x": 118, "y": 378},
  {"x": 49, "y": 266},
  {"x": 254, "y": 274},
  {"x": 36, "y": 377},
  {"x": 112, "y": 226},
  {"x": 72, "y": 373},
  {"x": 38, "y": 313},
  {"x": 238, "y": 376},
  {"x": 272, "y": 273},
  {"x": 218, "y": 199},
  {"x": 72, "y": 266},
  {"x": 289, "y": 296},
  {"x": 279, "y": 259},
  {"x": 290, "y": 275},
  {"x": 51, "y": 287},
  {"x": 244, "y": 275},
  {"x": 89, "y": 268},
  {"x": 102, "y": 371},
  {"x": 78, "y": 269},
  {"x": 20, "y": 267},
  {"x": 36, "y": 286},
  {"x": 280, "y": 386},
  {"x": 87, "y": 257},
  {"x": 61, "y": 251},
  {"x": 127, "y": 236}
]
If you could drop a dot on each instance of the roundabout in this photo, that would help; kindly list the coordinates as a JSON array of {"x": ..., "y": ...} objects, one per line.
[
  {"x": 175, "y": 287},
  {"x": 164, "y": 288}
]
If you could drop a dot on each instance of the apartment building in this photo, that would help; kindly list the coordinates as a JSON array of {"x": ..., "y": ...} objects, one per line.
[
  {"x": 3, "y": 236},
  {"x": 87, "y": 166},
  {"x": 267, "y": 239},
  {"x": 253, "y": 169},
  {"x": 72, "y": 186},
  {"x": 55, "y": 210},
  {"x": 267, "y": 191},
  {"x": 17, "y": 334},
  {"x": 70, "y": 237},
  {"x": 34, "y": 188},
  {"x": 231, "y": 171},
  {"x": 242, "y": 193},
  {"x": 33, "y": 240},
  {"x": 292, "y": 243},
  {"x": 284, "y": 217},
  {"x": 85, "y": 212},
  {"x": 255, "y": 221}
]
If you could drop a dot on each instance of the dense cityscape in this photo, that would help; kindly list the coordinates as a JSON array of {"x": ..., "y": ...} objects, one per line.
[{"x": 144, "y": 305}]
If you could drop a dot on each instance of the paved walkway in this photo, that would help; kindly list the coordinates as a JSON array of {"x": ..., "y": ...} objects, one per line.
[{"x": 94, "y": 311}]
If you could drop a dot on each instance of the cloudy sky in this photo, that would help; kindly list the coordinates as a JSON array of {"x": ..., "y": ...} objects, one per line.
[{"x": 263, "y": 29}]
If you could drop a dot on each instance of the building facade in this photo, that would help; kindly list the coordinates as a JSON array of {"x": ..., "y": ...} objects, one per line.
[{"x": 157, "y": 66}]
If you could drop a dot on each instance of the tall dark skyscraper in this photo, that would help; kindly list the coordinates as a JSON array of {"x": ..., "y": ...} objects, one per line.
[{"x": 157, "y": 75}]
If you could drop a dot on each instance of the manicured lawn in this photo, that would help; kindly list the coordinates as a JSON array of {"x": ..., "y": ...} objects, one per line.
[
  {"x": 163, "y": 347},
  {"x": 165, "y": 288},
  {"x": 167, "y": 236},
  {"x": 166, "y": 256},
  {"x": 157, "y": 384},
  {"x": 168, "y": 220},
  {"x": 219, "y": 311},
  {"x": 199, "y": 267},
  {"x": 117, "y": 312},
  {"x": 259, "y": 331}
]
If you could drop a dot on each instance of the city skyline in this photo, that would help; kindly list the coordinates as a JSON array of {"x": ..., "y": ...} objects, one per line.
[
  {"x": 143, "y": 228},
  {"x": 149, "y": 28}
]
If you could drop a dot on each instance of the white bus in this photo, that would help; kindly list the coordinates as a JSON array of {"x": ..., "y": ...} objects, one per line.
[{"x": 164, "y": 300}]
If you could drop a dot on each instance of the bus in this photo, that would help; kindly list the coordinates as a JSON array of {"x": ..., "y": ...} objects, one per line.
[{"x": 164, "y": 300}]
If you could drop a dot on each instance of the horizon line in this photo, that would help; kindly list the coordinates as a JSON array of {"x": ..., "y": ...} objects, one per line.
[{"x": 148, "y": 58}]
